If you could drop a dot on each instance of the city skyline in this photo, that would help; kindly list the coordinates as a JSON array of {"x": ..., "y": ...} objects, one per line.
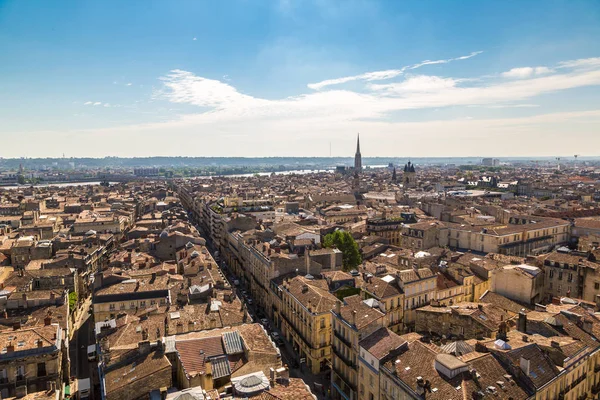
[{"x": 288, "y": 78}]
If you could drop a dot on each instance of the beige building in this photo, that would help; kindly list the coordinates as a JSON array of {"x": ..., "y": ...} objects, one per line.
[
  {"x": 304, "y": 309},
  {"x": 31, "y": 360},
  {"x": 419, "y": 286},
  {"x": 520, "y": 237},
  {"x": 352, "y": 321},
  {"x": 131, "y": 296},
  {"x": 375, "y": 350},
  {"x": 521, "y": 283}
]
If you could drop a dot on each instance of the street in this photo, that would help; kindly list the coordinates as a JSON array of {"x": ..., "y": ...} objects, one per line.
[
  {"x": 82, "y": 337},
  {"x": 288, "y": 356}
]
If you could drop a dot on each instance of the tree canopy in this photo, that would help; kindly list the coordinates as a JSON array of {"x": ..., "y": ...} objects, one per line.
[{"x": 344, "y": 242}]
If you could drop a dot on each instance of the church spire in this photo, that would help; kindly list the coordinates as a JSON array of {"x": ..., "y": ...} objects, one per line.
[{"x": 357, "y": 156}]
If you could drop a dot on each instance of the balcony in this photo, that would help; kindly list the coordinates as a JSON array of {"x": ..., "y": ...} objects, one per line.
[
  {"x": 347, "y": 390},
  {"x": 345, "y": 360},
  {"x": 342, "y": 338}
]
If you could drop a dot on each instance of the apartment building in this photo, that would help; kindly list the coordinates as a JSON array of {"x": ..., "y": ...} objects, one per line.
[
  {"x": 303, "y": 305},
  {"x": 353, "y": 320},
  {"x": 130, "y": 296},
  {"x": 31, "y": 359}
]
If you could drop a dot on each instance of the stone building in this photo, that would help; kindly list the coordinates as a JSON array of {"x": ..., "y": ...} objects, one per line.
[{"x": 31, "y": 360}]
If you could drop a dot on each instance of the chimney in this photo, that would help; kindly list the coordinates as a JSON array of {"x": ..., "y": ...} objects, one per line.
[
  {"x": 47, "y": 320},
  {"x": 144, "y": 347},
  {"x": 480, "y": 307},
  {"x": 163, "y": 393},
  {"x": 525, "y": 365},
  {"x": 272, "y": 376},
  {"x": 353, "y": 317},
  {"x": 40, "y": 343},
  {"x": 587, "y": 326},
  {"x": 307, "y": 261},
  {"x": 522, "y": 322},
  {"x": 555, "y": 344},
  {"x": 25, "y": 297},
  {"x": 338, "y": 307},
  {"x": 17, "y": 326},
  {"x": 10, "y": 348}
]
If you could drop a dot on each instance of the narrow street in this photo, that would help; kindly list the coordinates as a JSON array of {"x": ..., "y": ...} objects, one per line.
[
  {"x": 83, "y": 330},
  {"x": 288, "y": 356}
]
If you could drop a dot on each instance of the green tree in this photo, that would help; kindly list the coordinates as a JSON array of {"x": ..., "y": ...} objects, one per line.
[
  {"x": 72, "y": 300},
  {"x": 344, "y": 242}
]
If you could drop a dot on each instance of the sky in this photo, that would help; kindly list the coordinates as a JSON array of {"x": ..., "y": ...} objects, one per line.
[{"x": 299, "y": 78}]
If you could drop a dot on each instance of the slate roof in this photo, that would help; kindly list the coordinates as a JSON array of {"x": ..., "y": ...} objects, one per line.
[{"x": 233, "y": 342}]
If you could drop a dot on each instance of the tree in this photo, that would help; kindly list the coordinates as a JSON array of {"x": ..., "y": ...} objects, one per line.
[
  {"x": 344, "y": 242},
  {"x": 72, "y": 300}
]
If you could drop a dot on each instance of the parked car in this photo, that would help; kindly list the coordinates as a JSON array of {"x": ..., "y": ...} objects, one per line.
[
  {"x": 277, "y": 338},
  {"x": 264, "y": 322},
  {"x": 249, "y": 301}
]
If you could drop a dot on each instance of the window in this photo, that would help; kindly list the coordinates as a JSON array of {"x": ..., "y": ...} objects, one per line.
[
  {"x": 551, "y": 273},
  {"x": 560, "y": 275},
  {"x": 371, "y": 383},
  {"x": 322, "y": 324},
  {"x": 20, "y": 372},
  {"x": 41, "y": 369},
  {"x": 111, "y": 307},
  {"x": 596, "y": 285},
  {"x": 132, "y": 305}
]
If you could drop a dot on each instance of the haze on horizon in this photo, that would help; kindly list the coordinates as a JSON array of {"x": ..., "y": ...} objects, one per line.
[{"x": 287, "y": 78}]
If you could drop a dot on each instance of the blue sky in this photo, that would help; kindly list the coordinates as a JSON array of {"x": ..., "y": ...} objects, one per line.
[{"x": 287, "y": 77}]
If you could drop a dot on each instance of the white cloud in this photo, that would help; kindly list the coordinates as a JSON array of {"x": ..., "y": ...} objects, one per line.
[
  {"x": 317, "y": 117},
  {"x": 581, "y": 63},
  {"x": 221, "y": 101},
  {"x": 385, "y": 74},
  {"x": 129, "y": 84},
  {"x": 526, "y": 72},
  {"x": 106, "y": 104},
  {"x": 416, "y": 84},
  {"x": 194, "y": 39},
  {"x": 88, "y": 103},
  {"x": 98, "y": 103}
]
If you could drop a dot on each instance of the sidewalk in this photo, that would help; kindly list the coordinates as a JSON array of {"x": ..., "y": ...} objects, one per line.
[
  {"x": 81, "y": 314},
  {"x": 289, "y": 356}
]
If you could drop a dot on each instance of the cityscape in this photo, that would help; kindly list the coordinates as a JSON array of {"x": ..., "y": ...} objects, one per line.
[{"x": 300, "y": 200}]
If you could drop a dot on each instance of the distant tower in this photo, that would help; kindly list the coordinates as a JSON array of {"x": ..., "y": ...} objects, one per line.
[
  {"x": 357, "y": 156},
  {"x": 409, "y": 179},
  {"x": 394, "y": 177}
]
